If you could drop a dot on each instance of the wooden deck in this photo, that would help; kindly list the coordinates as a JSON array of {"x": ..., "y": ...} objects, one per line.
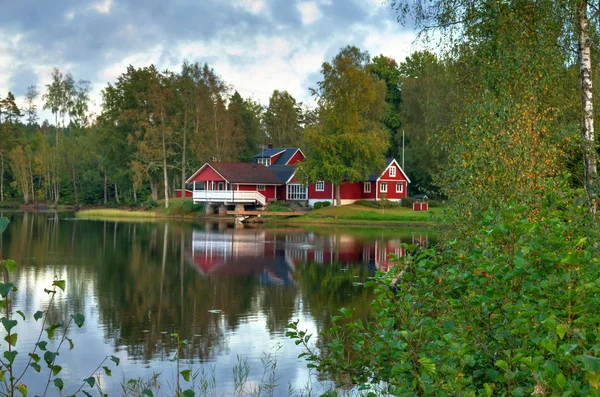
[{"x": 264, "y": 213}]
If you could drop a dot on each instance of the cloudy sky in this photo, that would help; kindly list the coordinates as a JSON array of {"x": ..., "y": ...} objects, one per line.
[{"x": 255, "y": 45}]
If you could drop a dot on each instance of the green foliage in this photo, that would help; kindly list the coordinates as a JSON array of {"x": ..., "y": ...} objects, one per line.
[
  {"x": 321, "y": 204},
  {"x": 185, "y": 207},
  {"x": 506, "y": 311},
  {"x": 379, "y": 203},
  {"x": 151, "y": 204}
]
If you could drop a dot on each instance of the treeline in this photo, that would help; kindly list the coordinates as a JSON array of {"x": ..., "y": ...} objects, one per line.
[{"x": 154, "y": 129}]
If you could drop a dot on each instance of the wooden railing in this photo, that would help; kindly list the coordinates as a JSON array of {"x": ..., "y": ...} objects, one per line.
[{"x": 228, "y": 196}]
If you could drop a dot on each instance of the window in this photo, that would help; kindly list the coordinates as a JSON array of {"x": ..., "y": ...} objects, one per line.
[
  {"x": 221, "y": 185},
  {"x": 261, "y": 188},
  {"x": 367, "y": 187},
  {"x": 393, "y": 171},
  {"x": 399, "y": 188},
  {"x": 264, "y": 161},
  {"x": 383, "y": 187},
  {"x": 320, "y": 186}
]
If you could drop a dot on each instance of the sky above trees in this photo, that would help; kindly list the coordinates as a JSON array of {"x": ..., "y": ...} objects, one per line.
[{"x": 255, "y": 45}]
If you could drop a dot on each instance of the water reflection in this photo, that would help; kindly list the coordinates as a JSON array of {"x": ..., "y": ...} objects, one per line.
[{"x": 229, "y": 290}]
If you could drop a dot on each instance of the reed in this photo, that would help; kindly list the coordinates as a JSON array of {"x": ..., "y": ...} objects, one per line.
[{"x": 114, "y": 213}]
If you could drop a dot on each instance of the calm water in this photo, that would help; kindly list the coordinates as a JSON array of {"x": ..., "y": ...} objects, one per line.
[{"x": 229, "y": 290}]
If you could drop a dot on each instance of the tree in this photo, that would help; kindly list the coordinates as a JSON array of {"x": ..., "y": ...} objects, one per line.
[
  {"x": 246, "y": 115},
  {"x": 31, "y": 107},
  {"x": 475, "y": 24},
  {"x": 386, "y": 69},
  {"x": 9, "y": 116},
  {"x": 282, "y": 120},
  {"x": 349, "y": 141}
]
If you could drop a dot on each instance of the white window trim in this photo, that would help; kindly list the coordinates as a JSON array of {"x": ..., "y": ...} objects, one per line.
[
  {"x": 393, "y": 171},
  {"x": 320, "y": 186},
  {"x": 401, "y": 186},
  {"x": 261, "y": 188},
  {"x": 383, "y": 187},
  {"x": 367, "y": 187},
  {"x": 266, "y": 161}
]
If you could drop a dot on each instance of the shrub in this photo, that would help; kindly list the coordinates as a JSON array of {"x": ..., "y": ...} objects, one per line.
[
  {"x": 318, "y": 205},
  {"x": 152, "y": 204},
  {"x": 185, "y": 207},
  {"x": 326, "y": 203},
  {"x": 378, "y": 204}
]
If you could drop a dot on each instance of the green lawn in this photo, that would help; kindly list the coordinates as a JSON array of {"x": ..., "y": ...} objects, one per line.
[{"x": 358, "y": 213}]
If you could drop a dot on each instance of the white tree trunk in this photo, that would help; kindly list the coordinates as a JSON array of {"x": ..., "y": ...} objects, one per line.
[{"x": 590, "y": 174}]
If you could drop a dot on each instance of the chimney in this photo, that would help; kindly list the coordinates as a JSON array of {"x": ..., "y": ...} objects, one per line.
[{"x": 270, "y": 146}]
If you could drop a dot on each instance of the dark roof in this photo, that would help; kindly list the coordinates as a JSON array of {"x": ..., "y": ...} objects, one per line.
[
  {"x": 286, "y": 156},
  {"x": 374, "y": 177},
  {"x": 283, "y": 172},
  {"x": 246, "y": 173}
]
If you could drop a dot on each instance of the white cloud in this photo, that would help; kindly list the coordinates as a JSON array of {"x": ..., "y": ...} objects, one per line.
[
  {"x": 103, "y": 6},
  {"x": 309, "y": 12},
  {"x": 251, "y": 6}
]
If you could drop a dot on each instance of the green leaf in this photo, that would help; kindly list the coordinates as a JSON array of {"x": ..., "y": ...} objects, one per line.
[
  {"x": 116, "y": 360},
  {"x": 86, "y": 393},
  {"x": 60, "y": 284},
  {"x": 188, "y": 393},
  {"x": 49, "y": 357},
  {"x": 592, "y": 364},
  {"x": 2, "y": 376},
  {"x": 186, "y": 374},
  {"x": 10, "y": 356},
  {"x": 10, "y": 265},
  {"x": 8, "y": 324},
  {"x": 22, "y": 389},
  {"x": 56, "y": 369},
  {"x": 561, "y": 381},
  {"x": 78, "y": 319},
  {"x": 561, "y": 330},
  {"x": 12, "y": 340},
  {"x": 148, "y": 392},
  {"x": 58, "y": 382},
  {"x": 427, "y": 364},
  {"x": 39, "y": 314},
  {"x": 34, "y": 357},
  {"x": 21, "y": 314},
  {"x": 5, "y": 289},
  {"x": 3, "y": 224},
  {"x": 502, "y": 365},
  {"x": 71, "y": 345},
  {"x": 42, "y": 345},
  {"x": 346, "y": 312},
  {"x": 36, "y": 366},
  {"x": 107, "y": 371},
  {"x": 90, "y": 381}
]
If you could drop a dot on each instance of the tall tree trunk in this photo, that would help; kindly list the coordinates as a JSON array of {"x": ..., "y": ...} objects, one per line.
[
  {"x": 105, "y": 187},
  {"x": 165, "y": 175},
  {"x": 117, "y": 193},
  {"x": 185, "y": 122},
  {"x": 74, "y": 184},
  {"x": 31, "y": 178},
  {"x": 338, "y": 198},
  {"x": 56, "y": 179},
  {"x": 590, "y": 174},
  {"x": 1, "y": 176},
  {"x": 154, "y": 188},
  {"x": 134, "y": 195}
]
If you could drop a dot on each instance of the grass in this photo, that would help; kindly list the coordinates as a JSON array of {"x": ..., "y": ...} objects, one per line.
[
  {"x": 277, "y": 208},
  {"x": 358, "y": 214},
  {"x": 115, "y": 213}
]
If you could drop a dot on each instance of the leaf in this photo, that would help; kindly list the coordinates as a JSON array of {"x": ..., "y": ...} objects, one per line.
[
  {"x": 561, "y": 330},
  {"x": 3, "y": 224},
  {"x": 115, "y": 359},
  {"x": 10, "y": 356},
  {"x": 60, "y": 284},
  {"x": 5, "y": 289},
  {"x": 22, "y": 389},
  {"x": 592, "y": 364},
  {"x": 58, "y": 382},
  {"x": 39, "y": 314},
  {"x": 34, "y": 357},
  {"x": 10, "y": 265},
  {"x": 346, "y": 312},
  {"x": 21, "y": 314},
  {"x": 78, "y": 319},
  {"x": 71, "y": 345},
  {"x": 2, "y": 376},
  {"x": 148, "y": 392},
  {"x": 42, "y": 345},
  {"x": 36, "y": 366},
  {"x": 86, "y": 393},
  {"x": 8, "y": 324},
  {"x": 49, "y": 357},
  {"x": 427, "y": 364},
  {"x": 56, "y": 369},
  {"x": 188, "y": 393},
  {"x": 12, "y": 340},
  {"x": 90, "y": 381},
  {"x": 502, "y": 365},
  {"x": 186, "y": 374},
  {"x": 107, "y": 371},
  {"x": 561, "y": 381}
]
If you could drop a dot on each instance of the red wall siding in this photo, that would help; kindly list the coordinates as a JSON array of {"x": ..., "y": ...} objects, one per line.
[
  {"x": 391, "y": 190},
  {"x": 274, "y": 158},
  {"x": 351, "y": 191},
  {"x": 269, "y": 191},
  {"x": 208, "y": 174},
  {"x": 314, "y": 195},
  {"x": 178, "y": 193},
  {"x": 296, "y": 158},
  {"x": 372, "y": 194},
  {"x": 281, "y": 193}
]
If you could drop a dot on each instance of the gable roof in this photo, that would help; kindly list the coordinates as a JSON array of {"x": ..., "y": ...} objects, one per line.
[
  {"x": 388, "y": 162},
  {"x": 286, "y": 154},
  {"x": 283, "y": 172},
  {"x": 250, "y": 173}
]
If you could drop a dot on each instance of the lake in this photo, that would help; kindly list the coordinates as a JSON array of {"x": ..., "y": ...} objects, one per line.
[{"x": 229, "y": 290}]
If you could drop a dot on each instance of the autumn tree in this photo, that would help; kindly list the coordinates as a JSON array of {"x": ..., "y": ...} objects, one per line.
[
  {"x": 282, "y": 120},
  {"x": 349, "y": 141}
]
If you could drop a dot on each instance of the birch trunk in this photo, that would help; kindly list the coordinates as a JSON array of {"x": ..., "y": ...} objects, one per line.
[
  {"x": 165, "y": 175},
  {"x": 185, "y": 122},
  {"x": 1, "y": 176},
  {"x": 117, "y": 193},
  {"x": 105, "y": 187},
  {"x": 590, "y": 174}
]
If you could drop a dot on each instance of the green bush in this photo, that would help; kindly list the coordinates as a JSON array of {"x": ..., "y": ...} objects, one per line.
[
  {"x": 184, "y": 207},
  {"x": 318, "y": 205},
  {"x": 508, "y": 310},
  {"x": 326, "y": 203},
  {"x": 152, "y": 204},
  {"x": 378, "y": 204}
]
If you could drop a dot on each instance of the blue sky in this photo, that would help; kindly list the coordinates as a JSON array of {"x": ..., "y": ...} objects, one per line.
[{"x": 255, "y": 45}]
